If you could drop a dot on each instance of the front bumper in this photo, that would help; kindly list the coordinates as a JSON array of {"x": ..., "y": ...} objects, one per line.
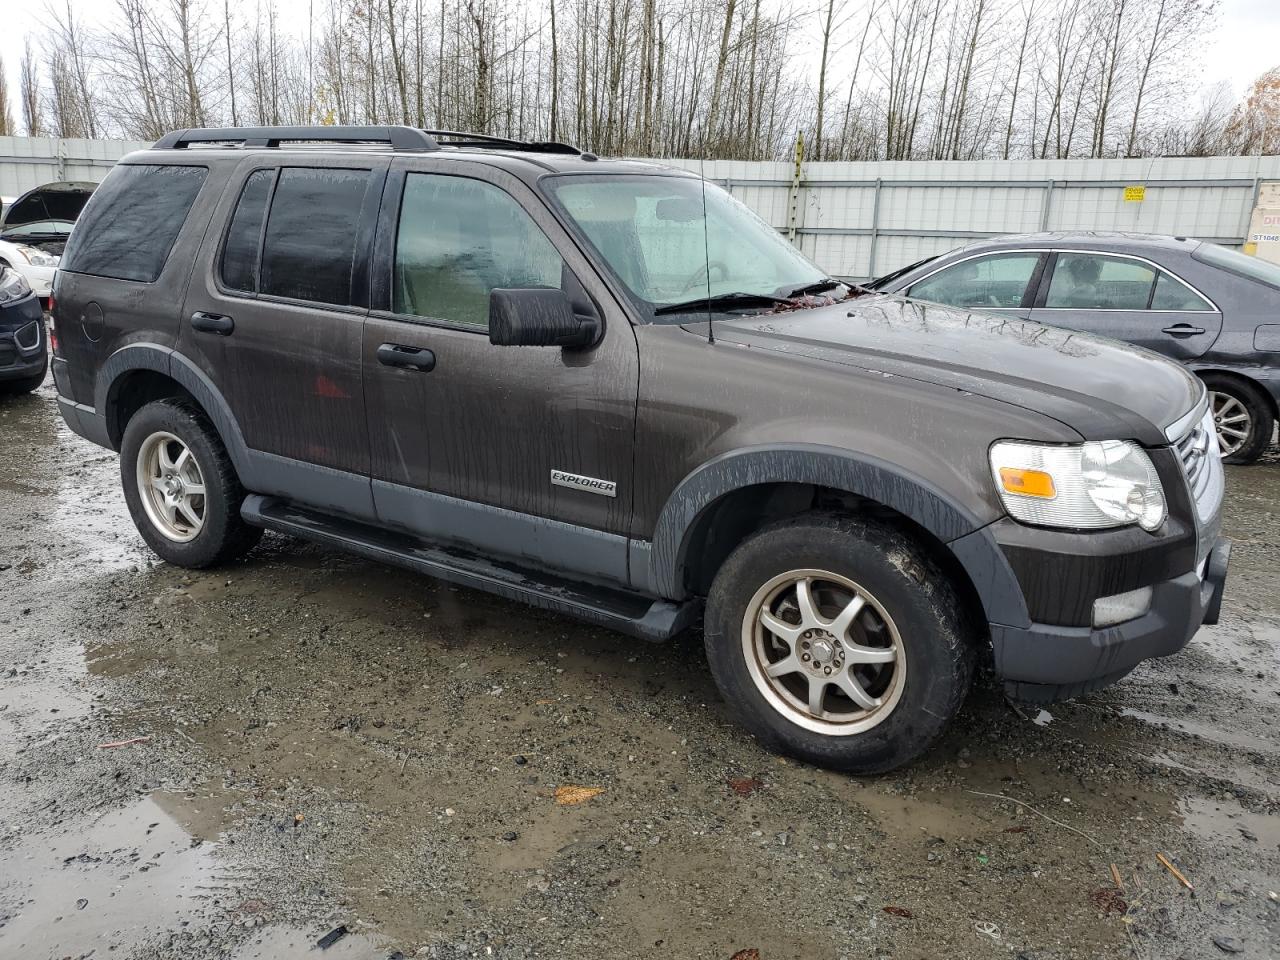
[
  {"x": 20, "y": 359},
  {"x": 40, "y": 278},
  {"x": 1043, "y": 663}
]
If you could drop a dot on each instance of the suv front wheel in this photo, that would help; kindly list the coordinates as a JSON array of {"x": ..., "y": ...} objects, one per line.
[
  {"x": 181, "y": 487},
  {"x": 839, "y": 641}
]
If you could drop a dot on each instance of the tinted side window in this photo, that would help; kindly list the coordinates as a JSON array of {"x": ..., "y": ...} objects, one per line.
[
  {"x": 311, "y": 234},
  {"x": 1172, "y": 295},
  {"x": 1090, "y": 281},
  {"x": 132, "y": 220},
  {"x": 459, "y": 239},
  {"x": 240, "y": 252},
  {"x": 996, "y": 281}
]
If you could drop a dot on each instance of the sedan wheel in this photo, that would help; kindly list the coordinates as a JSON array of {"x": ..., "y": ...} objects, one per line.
[{"x": 1232, "y": 420}]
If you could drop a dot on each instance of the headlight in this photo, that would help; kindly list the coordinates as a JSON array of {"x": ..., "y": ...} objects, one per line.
[
  {"x": 36, "y": 257},
  {"x": 13, "y": 285},
  {"x": 1107, "y": 483}
]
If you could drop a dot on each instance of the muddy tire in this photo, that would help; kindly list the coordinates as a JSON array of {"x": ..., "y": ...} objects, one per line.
[
  {"x": 1242, "y": 416},
  {"x": 181, "y": 487},
  {"x": 839, "y": 641}
]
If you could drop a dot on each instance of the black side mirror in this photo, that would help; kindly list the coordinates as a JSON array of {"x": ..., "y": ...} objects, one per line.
[{"x": 538, "y": 317}]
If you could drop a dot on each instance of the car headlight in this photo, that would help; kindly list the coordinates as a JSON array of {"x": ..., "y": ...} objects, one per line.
[
  {"x": 37, "y": 258},
  {"x": 13, "y": 285},
  {"x": 1102, "y": 483}
]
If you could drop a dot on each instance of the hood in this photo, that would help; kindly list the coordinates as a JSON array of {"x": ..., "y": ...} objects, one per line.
[
  {"x": 54, "y": 201},
  {"x": 1103, "y": 389}
]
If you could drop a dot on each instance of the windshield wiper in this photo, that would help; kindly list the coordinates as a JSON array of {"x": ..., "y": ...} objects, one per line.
[
  {"x": 818, "y": 287},
  {"x": 737, "y": 299}
]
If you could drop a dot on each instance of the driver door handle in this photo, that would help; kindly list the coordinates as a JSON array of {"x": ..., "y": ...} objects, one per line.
[
  {"x": 1182, "y": 330},
  {"x": 411, "y": 358}
]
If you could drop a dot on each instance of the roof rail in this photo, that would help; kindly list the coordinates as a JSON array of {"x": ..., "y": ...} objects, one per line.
[
  {"x": 459, "y": 138},
  {"x": 406, "y": 139}
]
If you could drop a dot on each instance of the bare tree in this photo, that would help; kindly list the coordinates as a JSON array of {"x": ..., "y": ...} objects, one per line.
[
  {"x": 1028, "y": 11},
  {"x": 739, "y": 79},
  {"x": 29, "y": 92},
  {"x": 7, "y": 127},
  {"x": 1172, "y": 26}
]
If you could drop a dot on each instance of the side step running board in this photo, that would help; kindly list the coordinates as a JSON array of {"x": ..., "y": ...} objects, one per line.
[{"x": 619, "y": 610}]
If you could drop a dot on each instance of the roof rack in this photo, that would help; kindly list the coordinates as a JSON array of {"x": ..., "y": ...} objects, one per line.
[
  {"x": 459, "y": 138},
  {"x": 400, "y": 139}
]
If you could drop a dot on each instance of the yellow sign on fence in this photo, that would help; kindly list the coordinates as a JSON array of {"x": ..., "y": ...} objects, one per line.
[{"x": 1135, "y": 194}]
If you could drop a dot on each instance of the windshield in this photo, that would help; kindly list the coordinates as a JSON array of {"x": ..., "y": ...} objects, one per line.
[
  {"x": 650, "y": 231},
  {"x": 1236, "y": 262}
]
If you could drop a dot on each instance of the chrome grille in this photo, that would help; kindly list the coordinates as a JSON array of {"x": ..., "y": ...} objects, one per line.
[{"x": 1202, "y": 465}]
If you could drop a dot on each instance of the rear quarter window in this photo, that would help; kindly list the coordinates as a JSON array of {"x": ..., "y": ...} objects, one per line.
[
  {"x": 1240, "y": 263},
  {"x": 130, "y": 224}
]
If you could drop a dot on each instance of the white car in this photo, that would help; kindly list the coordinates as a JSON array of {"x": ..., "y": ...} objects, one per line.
[{"x": 35, "y": 227}]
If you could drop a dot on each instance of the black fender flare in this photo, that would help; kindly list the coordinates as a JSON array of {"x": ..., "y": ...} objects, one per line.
[
  {"x": 964, "y": 534},
  {"x": 152, "y": 356}
]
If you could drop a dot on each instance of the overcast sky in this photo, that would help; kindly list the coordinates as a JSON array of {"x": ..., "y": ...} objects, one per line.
[{"x": 1245, "y": 44}]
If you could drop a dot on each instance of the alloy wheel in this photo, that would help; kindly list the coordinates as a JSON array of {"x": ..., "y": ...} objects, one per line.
[
  {"x": 824, "y": 652},
  {"x": 171, "y": 487},
  {"x": 1232, "y": 420}
]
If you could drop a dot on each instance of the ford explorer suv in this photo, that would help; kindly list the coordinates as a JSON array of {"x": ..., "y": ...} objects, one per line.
[{"x": 607, "y": 389}]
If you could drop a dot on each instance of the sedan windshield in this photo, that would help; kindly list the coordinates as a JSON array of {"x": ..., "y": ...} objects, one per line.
[{"x": 678, "y": 253}]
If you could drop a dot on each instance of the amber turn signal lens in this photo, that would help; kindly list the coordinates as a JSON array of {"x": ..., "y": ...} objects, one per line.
[{"x": 1028, "y": 483}]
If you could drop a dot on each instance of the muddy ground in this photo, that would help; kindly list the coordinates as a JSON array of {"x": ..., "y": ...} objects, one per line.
[{"x": 338, "y": 748}]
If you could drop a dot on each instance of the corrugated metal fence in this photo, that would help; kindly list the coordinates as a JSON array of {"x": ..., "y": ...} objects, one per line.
[
  {"x": 27, "y": 162},
  {"x": 864, "y": 219}
]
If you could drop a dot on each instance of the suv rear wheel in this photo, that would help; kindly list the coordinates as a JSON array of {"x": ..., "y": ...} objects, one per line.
[
  {"x": 181, "y": 488},
  {"x": 838, "y": 640}
]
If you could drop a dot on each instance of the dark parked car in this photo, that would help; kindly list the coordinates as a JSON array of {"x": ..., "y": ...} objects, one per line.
[
  {"x": 24, "y": 354},
  {"x": 1216, "y": 310},
  {"x": 608, "y": 389}
]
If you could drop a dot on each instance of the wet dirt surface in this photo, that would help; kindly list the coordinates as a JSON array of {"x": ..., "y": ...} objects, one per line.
[{"x": 334, "y": 749}]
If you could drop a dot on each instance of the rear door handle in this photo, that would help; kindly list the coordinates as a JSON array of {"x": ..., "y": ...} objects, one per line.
[
  {"x": 212, "y": 323},
  {"x": 411, "y": 358},
  {"x": 1182, "y": 330}
]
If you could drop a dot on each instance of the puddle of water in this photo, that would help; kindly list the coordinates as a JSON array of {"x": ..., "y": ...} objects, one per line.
[
  {"x": 1253, "y": 646},
  {"x": 41, "y": 703},
  {"x": 103, "y": 884},
  {"x": 1205, "y": 731},
  {"x": 1245, "y": 775},
  {"x": 1224, "y": 821},
  {"x": 910, "y": 818}
]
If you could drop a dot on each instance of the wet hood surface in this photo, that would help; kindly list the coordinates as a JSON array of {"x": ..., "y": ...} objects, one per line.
[{"x": 1101, "y": 388}]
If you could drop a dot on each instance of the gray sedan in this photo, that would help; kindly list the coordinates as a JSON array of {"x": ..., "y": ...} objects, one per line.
[{"x": 1215, "y": 310}]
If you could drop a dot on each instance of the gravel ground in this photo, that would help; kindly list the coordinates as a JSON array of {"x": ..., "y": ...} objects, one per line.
[{"x": 336, "y": 752}]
